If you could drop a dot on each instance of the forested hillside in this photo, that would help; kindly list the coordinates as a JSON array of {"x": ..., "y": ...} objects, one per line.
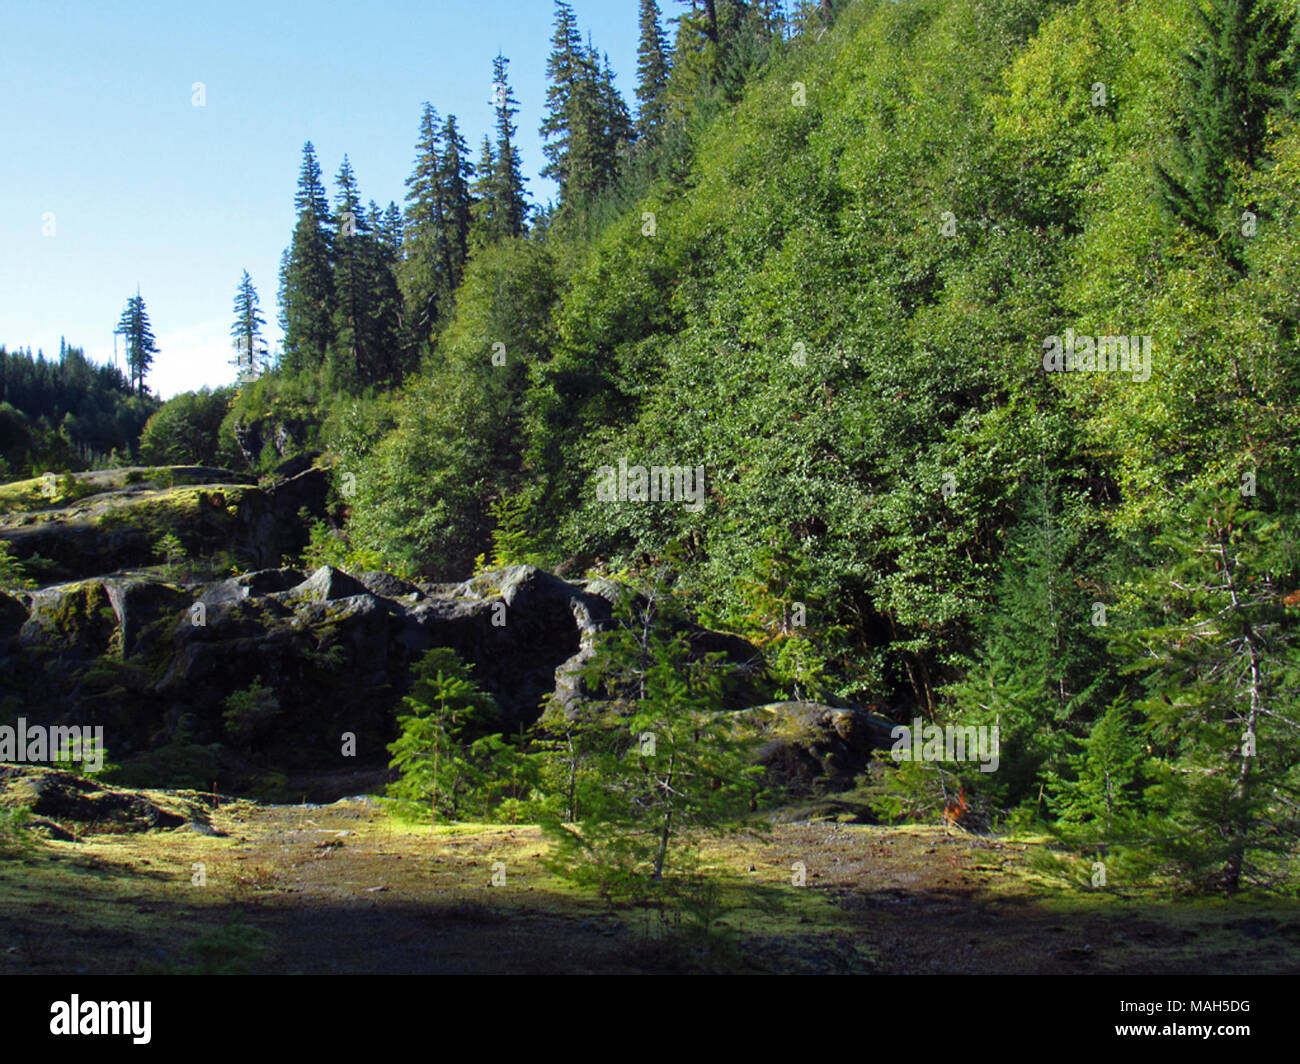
[
  {"x": 944, "y": 350},
  {"x": 69, "y": 414},
  {"x": 978, "y": 318}
]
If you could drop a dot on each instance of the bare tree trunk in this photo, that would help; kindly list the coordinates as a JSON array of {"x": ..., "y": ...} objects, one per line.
[
  {"x": 1241, "y": 789},
  {"x": 664, "y": 832},
  {"x": 573, "y": 781},
  {"x": 666, "y": 829},
  {"x": 433, "y": 801}
]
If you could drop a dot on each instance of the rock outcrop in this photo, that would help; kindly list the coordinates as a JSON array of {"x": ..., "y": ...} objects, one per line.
[
  {"x": 87, "y": 524},
  {"x": 333, "y": 652},
  {"x": 65, "y": 798},
  {"x": 809, "y": 748}
]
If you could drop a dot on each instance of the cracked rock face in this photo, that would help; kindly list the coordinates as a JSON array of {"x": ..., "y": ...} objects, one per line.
[{"x": 336, "y": 650}]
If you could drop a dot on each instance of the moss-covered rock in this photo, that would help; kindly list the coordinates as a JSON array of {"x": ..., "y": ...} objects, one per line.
[
  {"x": 72, "y": 615},
  {"x": 91, "y": 524},
  {"x": 810, "y": 748},
  {"x": 64, "y": 796}
]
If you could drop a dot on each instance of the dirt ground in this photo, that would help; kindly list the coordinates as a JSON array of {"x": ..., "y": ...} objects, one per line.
[{"x": 344, "y": 888}]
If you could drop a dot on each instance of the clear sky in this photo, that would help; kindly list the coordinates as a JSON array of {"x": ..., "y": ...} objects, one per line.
[{"x": 102, "y": 144}]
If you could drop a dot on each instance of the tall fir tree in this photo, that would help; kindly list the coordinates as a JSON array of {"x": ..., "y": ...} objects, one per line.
[
  {"x": 564, "y": 71},
  {"x": 387, "y": 350},
  {"x": 484, "y": 209},
  {"x": 140, "y": 345},
  {"x": 348, "y": 354},
  {"x": 247, "y": 329},
  {"x": 616, "y": 129},
  {"x": 390, "y": 228},
  {"x": 618, "y": 126},
  {"x": 455, "y": 177},
  {"x": 694, "y": 58},
  {"x": 307, "y": 287},
  {"x": 651, "y": 72},
  {"x": 281, "y": 308},
  {"x": 509, "y": 213},
  {"x": 1244, "y": 67},
  {"x": 423, "y": 271},
  {"x": 586, "y": 123},
  {"x": 718, "y": 47}
]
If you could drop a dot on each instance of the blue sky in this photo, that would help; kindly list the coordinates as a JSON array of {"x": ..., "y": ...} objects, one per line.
[{"x": 99, "y": 130}]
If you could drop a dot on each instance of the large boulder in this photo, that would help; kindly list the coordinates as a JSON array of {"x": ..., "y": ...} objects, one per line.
[
  {"x": 810, "y": 748},
  {"x": 144, "y": 610},
  {"x": 325, "y": 585},
  {"x": 236, "y": 589},
  {"x": 63, "y": 796},
  {"x": 76, "y": 616},
  {"x": 269, "y": 527}
]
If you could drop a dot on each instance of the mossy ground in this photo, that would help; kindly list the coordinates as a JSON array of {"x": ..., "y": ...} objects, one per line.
[{"x": 390, "y": 896}]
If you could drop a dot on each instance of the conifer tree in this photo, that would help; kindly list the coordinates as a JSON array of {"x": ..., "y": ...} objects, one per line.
[
  {"x": 439, "y": 760},
  {"x": 281, "y": 311},
  {"x": 367, "y": 347},
  {"x": 306, "y": 274},
  {"x": 1109, "y": 776},
  {"x": 586, "y": 163},
  {"x": 510, "y": 212},
  {"x": 390, "y": 228},
  {"x": 616, "y": 121},
  {"x": 564, "y": 71},
  {"x": 587, "y": 123},
  {"x": 1223, "y": 667},
  {"x": 1242, "y": 69},
  {"x": 423, "y": 273},
  {"x": 651, "y": 72},
  {"x": 348, "y": 353},
  {"x": 140, "y": 344},
  {"x": 247, "y": 328},
  {"x": 694, "y": 59},
  {"x": 484, "y": 211},
  {"x": 680, "y": 767},
  {"x": 1043, "y": 669},
  {"x": 436, "y": 237},
  {"x": 387, "y": 360},
  {"x": 455, "y": 178}
]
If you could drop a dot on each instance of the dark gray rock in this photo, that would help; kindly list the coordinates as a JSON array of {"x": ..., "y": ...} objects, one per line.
[
  {"x": 13, "y": 614},
  {"x": 327, "y": 584},
  {"x": 336, "y": 651},
  {"x": 64, "y": 796},
  {"x": 299, "y": 463},
  {"x": 810, "y": 748},
  {"x": 143, "y": 609},
  {"x": 388, "y": 586}
]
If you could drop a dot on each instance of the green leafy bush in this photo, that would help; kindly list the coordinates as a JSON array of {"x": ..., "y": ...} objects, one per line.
[{"x": 13, "y": 574}]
